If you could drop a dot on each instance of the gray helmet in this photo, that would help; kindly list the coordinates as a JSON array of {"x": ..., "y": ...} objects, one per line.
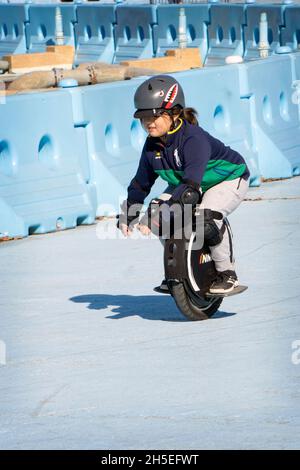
[{"x": 157, "y": 94}]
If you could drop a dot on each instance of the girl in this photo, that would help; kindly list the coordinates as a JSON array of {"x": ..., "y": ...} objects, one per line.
[{"x": 191, "y": 160}]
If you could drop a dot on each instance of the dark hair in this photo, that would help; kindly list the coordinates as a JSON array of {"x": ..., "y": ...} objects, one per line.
[{"x": 189, "y": 114}]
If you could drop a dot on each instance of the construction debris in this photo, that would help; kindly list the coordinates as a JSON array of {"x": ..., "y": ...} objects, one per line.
[
  {"x": 49, "y": 76},
  {"x": 86, "y": 74}
]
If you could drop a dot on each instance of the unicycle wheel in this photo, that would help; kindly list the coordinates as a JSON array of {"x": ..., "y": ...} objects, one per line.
[
  {"x": 189, "y": 271},
  {"x": 189, "y": 307}
]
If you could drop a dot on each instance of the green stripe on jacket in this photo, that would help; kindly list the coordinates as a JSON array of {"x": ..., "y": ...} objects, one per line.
[{"x": 216, "y": 172}]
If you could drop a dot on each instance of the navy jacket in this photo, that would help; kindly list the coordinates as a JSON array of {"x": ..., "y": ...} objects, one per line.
[{"x": 188, "y": 155}]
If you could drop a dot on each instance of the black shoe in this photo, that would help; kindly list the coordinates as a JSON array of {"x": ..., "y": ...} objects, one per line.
[
  {"x": 163, "y": 288},
  {"x": 225, "y": 282}
]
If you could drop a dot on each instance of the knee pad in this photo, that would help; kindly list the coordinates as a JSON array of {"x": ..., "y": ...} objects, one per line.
[
  {"x": 190, "y": 196},
  {"x": 213, "y": 235}
]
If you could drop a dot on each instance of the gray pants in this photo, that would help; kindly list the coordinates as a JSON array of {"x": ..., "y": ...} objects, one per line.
[{"x": 225, "y": 198}]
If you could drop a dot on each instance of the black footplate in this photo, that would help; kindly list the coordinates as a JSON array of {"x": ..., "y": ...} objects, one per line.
[{"x": 235, "y": 291}]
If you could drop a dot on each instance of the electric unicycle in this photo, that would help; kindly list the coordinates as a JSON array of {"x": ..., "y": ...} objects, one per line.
[{"x": 189, "y": 272}]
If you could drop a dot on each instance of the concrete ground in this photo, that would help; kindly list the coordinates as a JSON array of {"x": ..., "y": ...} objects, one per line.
[{"x": 96, "y": 360}]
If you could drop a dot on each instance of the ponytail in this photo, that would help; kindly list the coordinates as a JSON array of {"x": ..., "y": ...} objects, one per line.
[{"x": 188, "y": 114}]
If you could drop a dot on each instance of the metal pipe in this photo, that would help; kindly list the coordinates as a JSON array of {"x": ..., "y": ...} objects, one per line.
[
  {"x": 182, "y": 36},
  {"x": 263, "y": 45},
  {"x": 59, "y": 32},
  {"x": 89, "y": 75}
]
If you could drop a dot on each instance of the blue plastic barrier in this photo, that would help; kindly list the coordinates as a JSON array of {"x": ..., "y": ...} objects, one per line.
[
  {"x": 44, "y": 172},
  {"x": 290, "y": 33},
  {"x": 40, "y": 31},
  {"x": 12, "y": 29},
  {"x": 165, "y": 32},
  {"x": 94, "y": 33},
  {"x": 274, "y": 116},
  {"x": 133, "y": 32},
  {"x": 225, "y": 33},
  {"x": 213, "y": 92},
  {"x": 251, "y": 30}
]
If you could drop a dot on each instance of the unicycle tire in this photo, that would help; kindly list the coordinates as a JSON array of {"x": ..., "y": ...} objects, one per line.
[{"x": 188, "y": 308}]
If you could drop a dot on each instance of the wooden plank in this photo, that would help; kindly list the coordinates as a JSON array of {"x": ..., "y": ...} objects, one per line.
[
  {"x": 55, "y": 56},
  {"x": 175, "y": 60}
]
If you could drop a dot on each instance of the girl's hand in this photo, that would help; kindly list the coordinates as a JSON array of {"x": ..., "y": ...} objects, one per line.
[
  {"x": 144, "y": 229},
  {"x": 125, "y": 230}
]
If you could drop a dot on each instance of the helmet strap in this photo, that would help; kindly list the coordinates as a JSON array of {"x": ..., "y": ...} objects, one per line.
[{"x": 173, "y": 125}]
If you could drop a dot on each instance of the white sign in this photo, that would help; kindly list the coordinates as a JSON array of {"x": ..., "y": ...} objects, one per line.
[{"x": 2, "y": 353}]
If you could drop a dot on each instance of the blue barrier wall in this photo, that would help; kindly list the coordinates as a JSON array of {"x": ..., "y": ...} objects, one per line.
[
  {"x": 44, "y": 173},
  {"x": 133, "y": 32},
  {"x": 165, "y": 32},
  {"x": 266, "y": 86},
  {"x": 94, "y": 33},
  {"x": 225, "y": 33},
  {"x": 116, "y": 32},
  {"x": 40, "y": 30},
  {"x": 251, "y": 30},
  {"x": 290, "y": 33},
  {"x": 48, "y": 176},
  {"x": 12, "y": 29},
  {"x": 81, "y": 151}
]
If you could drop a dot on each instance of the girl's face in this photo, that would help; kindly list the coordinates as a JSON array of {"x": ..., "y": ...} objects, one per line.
[{"x": 157, "y": 126}]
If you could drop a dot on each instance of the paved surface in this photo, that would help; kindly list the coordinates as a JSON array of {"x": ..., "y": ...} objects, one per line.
[{"x": 96, "y": 359}]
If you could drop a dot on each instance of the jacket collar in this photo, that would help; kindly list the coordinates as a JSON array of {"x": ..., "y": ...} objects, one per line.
[{"x": 170, "y": 137}]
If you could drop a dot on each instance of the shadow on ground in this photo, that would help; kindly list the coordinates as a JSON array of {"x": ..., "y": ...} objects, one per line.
[{"x": 149, "y": 307}]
